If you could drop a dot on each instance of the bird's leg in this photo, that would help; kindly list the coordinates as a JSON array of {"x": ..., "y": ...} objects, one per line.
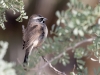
[{"x": 41, "y": 55}]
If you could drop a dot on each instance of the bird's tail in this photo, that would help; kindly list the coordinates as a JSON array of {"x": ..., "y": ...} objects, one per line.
[
  {"x": 26, "y": 57},
  {"x": 25, "y": 62}
]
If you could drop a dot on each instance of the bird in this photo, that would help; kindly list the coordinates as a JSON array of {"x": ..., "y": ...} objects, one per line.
[{"x": 33, "y": 35}]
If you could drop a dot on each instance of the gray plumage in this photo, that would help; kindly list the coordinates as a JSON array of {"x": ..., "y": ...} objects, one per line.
[{"x": 34, "y": 34}]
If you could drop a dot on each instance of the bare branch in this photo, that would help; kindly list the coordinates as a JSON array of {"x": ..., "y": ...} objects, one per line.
[
  {"x": 23, "y": 28},
  {"x": 50, "y": 65}
]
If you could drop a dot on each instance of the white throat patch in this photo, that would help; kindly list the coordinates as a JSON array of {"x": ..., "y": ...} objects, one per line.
[{"x": 36, "y": 18}]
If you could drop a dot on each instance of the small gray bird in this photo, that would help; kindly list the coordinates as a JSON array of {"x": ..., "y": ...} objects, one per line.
[{"x": 34, "y": 34}]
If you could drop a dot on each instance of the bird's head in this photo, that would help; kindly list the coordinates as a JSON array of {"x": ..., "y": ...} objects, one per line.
[{"x": 39, "y": 18}]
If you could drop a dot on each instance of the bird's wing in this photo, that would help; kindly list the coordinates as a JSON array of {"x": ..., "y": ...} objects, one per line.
[{"x": 31, "y": 34}]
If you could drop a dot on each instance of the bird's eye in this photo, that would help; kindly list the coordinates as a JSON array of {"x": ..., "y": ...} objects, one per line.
[{"x": 40, "y": 19}]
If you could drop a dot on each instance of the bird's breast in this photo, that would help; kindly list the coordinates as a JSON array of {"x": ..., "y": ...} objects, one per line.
[{"x": 35, "y": 43}]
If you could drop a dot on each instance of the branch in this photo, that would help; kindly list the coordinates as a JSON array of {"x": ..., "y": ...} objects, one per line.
[
  {"x": 50, "y": 65},
  {"x": 70, "y": 48},
  {"x": 23, "y": 29}
]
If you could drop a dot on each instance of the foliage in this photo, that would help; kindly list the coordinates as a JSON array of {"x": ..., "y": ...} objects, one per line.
[
  {"x": 5, "y": 67},
  {"x": 15, "y": 6},
  {"x": 81, "y": 20}
]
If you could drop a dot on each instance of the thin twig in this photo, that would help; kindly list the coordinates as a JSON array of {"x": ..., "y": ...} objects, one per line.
[
  {"x": 74, "y": 68},
  {"x": 19, "y": 62},
  {"x": 23, "y": 29},
  {"x": 50, "y": 65}
]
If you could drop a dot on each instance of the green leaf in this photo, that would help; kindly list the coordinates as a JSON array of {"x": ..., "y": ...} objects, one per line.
[
  {"x": 72, "y": 73},
  {"x": 75, "y": 31},
  {"x": 70, "y": 24},
  {"x": 58, "y": 14},
  {"x": 81, "y": 33},
  {"x": 25, "y": 17},
  {"x": 63, "y": 62},
  {"x": 53, "y": 26},
  {"x": 58, "y": 22},
  {"x": 62, "y": 20}
]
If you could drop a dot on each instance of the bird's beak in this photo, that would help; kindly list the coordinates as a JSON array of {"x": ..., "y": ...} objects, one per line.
[{"x": 45, "y": 19}]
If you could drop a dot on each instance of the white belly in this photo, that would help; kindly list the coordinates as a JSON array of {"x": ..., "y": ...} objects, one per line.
[{"x": 35, "y": 42}]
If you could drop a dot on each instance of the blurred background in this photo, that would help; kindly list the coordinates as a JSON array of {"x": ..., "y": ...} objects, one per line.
[{"x": 46, "y": 8}]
